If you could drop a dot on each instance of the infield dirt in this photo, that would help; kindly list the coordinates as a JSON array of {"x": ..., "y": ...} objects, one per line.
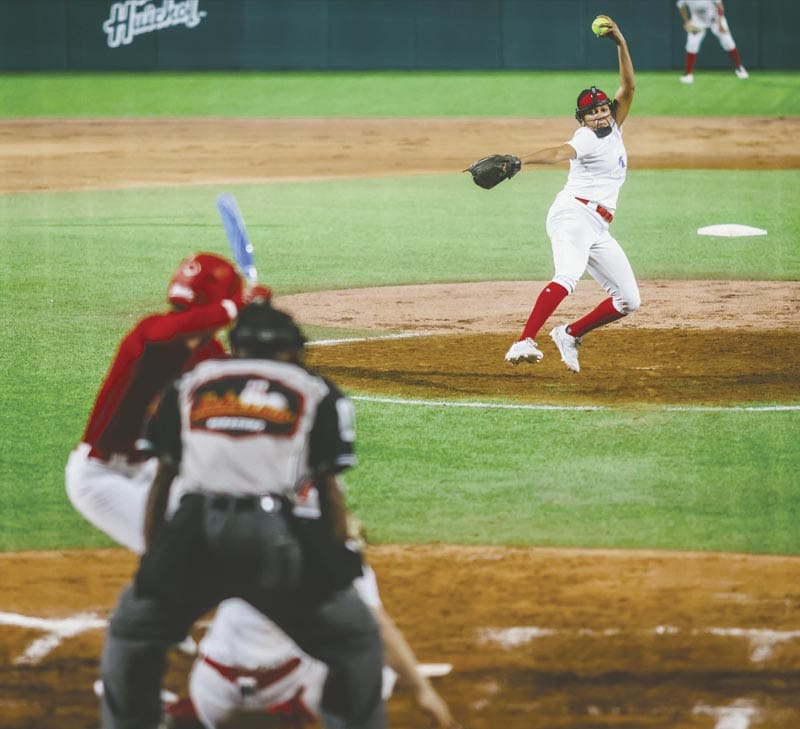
[{"x": 539, "y": 638}]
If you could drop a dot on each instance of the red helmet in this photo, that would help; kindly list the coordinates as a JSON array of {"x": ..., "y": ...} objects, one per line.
[
  {"x": 203, "y": 278},
  {"x": 590, "y": 99}
]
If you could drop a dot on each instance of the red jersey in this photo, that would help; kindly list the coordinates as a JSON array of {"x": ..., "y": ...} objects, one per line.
[{"x": 149, "y": 357}]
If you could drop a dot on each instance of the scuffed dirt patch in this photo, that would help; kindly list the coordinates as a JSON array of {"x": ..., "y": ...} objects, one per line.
[{"x": 637, "y": 367}]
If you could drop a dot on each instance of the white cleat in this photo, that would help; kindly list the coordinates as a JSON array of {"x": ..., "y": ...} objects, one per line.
[
  {"x": 524, "y": 351},
  {"x": 741, "y": 72},
  {"x": 687, "y": 78},
  {"x": 568, "y": 346}
]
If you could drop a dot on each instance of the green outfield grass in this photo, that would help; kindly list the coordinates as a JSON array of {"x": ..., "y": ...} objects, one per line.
[
  {"x": 337, "y": 234},
  {"x": 384, "y": 94},
  {"x": 627, "y": 479},
  {"x": 80, "y": 268}
]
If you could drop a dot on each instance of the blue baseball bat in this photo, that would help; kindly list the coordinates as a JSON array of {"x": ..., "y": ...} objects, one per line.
[{"x": 239, "y": 241}]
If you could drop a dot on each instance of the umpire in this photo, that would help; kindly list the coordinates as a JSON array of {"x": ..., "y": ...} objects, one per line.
[{"x": 245, "y": 434}]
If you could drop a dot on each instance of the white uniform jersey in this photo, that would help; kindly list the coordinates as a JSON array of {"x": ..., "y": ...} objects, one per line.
[
  {"x": 598, "y": 172},
  {"x": 253, "y": 426},
  {"x": 703, "y": 13}
]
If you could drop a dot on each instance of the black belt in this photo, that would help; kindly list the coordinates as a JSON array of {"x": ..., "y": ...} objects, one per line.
[{"x": 229, "y": 502}]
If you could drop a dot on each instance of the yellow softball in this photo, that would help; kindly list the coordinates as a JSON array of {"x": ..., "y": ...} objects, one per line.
[{"x": 600, "y": 25}]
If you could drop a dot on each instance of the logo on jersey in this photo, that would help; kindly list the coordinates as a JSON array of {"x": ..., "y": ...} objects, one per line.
[
  {"x": 622, "y": 161},
  {"x": 242, "y": 405}
]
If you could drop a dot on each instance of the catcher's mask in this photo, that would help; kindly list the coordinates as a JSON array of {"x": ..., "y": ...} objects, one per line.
[
  {"x": 203, "y": 278},
  {"x": 592, "y": 98},
  {"x": 262, "y": 331}
]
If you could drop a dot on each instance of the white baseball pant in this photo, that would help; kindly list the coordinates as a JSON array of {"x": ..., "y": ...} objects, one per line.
[
  {"x": 581, "y": 243},
  {"x": 219, "y": 700},
  {"x": 695, "y": 40},
  {"x": 111, "y": 495}
]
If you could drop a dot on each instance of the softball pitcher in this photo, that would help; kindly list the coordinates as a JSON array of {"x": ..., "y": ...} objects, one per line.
[{"x": 579, "y": 218}]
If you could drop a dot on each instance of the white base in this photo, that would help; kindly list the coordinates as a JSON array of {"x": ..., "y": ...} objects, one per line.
[{"x": 730, "y": 230}]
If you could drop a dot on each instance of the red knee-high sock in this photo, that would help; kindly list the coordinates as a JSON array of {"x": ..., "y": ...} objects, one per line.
[
  {"x": 690, "y": 59},
  {"x": 603, "y": 313},
  {"x": 549, "y": 299},
  {"x": 734, "y": 54}
]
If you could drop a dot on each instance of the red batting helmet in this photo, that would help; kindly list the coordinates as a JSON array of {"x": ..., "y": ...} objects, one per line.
[
  {"x": 590, "y": 99},
  {"x": 203, "y": 278}
]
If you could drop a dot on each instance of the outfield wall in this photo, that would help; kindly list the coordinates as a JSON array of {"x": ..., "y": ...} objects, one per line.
[{"x": 372, "y": 34}]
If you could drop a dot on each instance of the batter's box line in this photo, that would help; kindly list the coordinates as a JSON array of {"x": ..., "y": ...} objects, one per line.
[
  {"x": 56, "y": 631},
  {"x": 762, "y": 642}
]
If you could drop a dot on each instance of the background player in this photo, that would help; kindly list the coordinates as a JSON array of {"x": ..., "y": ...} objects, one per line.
[
  {"x": 107, "y": 477},
  {"x": 698, "y": 17},
  {"x": 578, "y": 220}
]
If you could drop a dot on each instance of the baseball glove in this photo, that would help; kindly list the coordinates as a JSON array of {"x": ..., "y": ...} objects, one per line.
[{"x": 495, "y": 168}]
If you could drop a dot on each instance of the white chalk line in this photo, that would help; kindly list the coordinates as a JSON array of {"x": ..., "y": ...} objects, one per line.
[
  {"x": 56, "y": 631},
  {"x": 736, "y": 716},
  {"x": 378, "y": 338},
  {"x": 469, "y": 404},
  {"x": 531, "y": 406},
  {"x": 59, "y": 629},
  {"x": 762, "y": 642}
]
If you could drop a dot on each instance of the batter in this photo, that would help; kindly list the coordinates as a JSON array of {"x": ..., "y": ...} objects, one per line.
[
  {"x": 579, "y": 219},
  {"x": 107, "y": 477}
]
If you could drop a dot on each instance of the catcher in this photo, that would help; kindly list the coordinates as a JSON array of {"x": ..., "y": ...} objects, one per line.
[{"x": 578, "y": 220}]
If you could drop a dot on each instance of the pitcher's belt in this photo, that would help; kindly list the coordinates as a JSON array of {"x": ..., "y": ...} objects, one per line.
[{"x": 604, "y": 213}]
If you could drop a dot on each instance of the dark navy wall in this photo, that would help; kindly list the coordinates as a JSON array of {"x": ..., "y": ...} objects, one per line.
[{"x": 380, "y": 34}]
